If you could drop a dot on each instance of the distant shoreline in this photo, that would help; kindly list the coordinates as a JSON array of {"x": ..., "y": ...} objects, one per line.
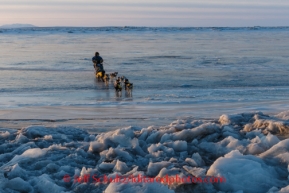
[
  {"x": 139, "y": 27},
  {"x": 9, "y": 26}
]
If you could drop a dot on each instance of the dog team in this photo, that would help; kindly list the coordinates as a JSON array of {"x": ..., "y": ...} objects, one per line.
[{"x": 102, "y": 76}]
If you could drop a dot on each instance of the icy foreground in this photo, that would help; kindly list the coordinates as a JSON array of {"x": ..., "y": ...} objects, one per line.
[{"x": 249, "y": 151}]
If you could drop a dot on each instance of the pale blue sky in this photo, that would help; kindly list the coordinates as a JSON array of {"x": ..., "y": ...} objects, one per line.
[{"x": 195, "y": 13}]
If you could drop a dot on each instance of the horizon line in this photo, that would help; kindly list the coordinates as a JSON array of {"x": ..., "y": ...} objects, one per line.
[{"x": 128, "y": 26}]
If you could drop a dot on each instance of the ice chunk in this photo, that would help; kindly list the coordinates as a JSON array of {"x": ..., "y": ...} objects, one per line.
[
  {"x": 155, "y": 149},
  {"x": 34, "y": 153},
  {"x": 96, "y": 146},
  {"x": 173, "y": 159},
  {"x": 137, "y": 188},
  {"x": 283, "y": 115},
  {"x": 63, "y": 134},
  {"x": 154, "y": 168},
  {"x": 228, "y": 119},
  {"x": 195, "y": 171},
  {"x": 52, "y": 167},
  {"x": 198, "y": 159},
  {"x": 48, "y": 137},
  {"x": 180, "y": 146},
  {"x": 276, "y": 190},
  {"x": 45, "y": 184},
  {"x": 258, "y": 145},
  {"x": 273, "y": 190},
  {"x": 269, "y": 141},
  {"x": 248, "y": 127},
  {"x": 166, "y": 137},
  {"x": 28, "y": 154},
  {"x": 232, "y": 144},
  {"x": 222, "y": 147},
  {"x": 284, "y": 190},
  {"x": 244, "y": 172},
  {"x": 4, "y": 135},
  {"x": 85, "y": 171},
  {"x": 155, "y": 136},
  {"x": 118, "y": 152},
  {"x": 195, "y": 142},
  {"x": 120, "y": 167},
  {"x": 143, "y": 136},
  {"x": 171, "y": 177},
  {"x": 190, "y": 134},
  {"x": 21, "y": 138},
  {"x": 229, "y": 131},
  {"x": 254, "y": 133},
  {"x": 17, "y": 171},
  {"x": 254, "y": 148},
  {"x": 280, "y": 150},
  {"x": 236, "y": 119},
  {"x": 121, "y": 140},
  {"x": 137, "y": 149},
  {"x": 19, "y": 184},
  {"x": 192, "y": 162},
  {"x": 106, "y": 166},
  {"x": 168, "y": 172},
  {"x": 271, "y": 125}
]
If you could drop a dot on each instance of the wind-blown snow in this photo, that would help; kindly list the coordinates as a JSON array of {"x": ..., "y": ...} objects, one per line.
[{"x": 249, "y": 152}]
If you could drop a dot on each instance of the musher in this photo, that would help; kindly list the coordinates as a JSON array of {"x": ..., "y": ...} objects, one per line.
[{"x": 97, "y": 63}]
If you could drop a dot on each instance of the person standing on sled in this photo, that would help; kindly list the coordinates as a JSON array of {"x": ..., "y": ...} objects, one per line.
[{"x": 97, "y": 64}]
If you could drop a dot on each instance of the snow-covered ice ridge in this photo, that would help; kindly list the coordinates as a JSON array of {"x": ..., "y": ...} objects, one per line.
[{"x": 251, "y": 151}]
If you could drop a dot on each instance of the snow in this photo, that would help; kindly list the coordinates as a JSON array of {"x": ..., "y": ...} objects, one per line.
[{"x": 249, "y": 152}]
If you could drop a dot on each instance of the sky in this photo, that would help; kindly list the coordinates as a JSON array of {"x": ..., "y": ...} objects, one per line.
[{"x": 154, "y": 13}]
